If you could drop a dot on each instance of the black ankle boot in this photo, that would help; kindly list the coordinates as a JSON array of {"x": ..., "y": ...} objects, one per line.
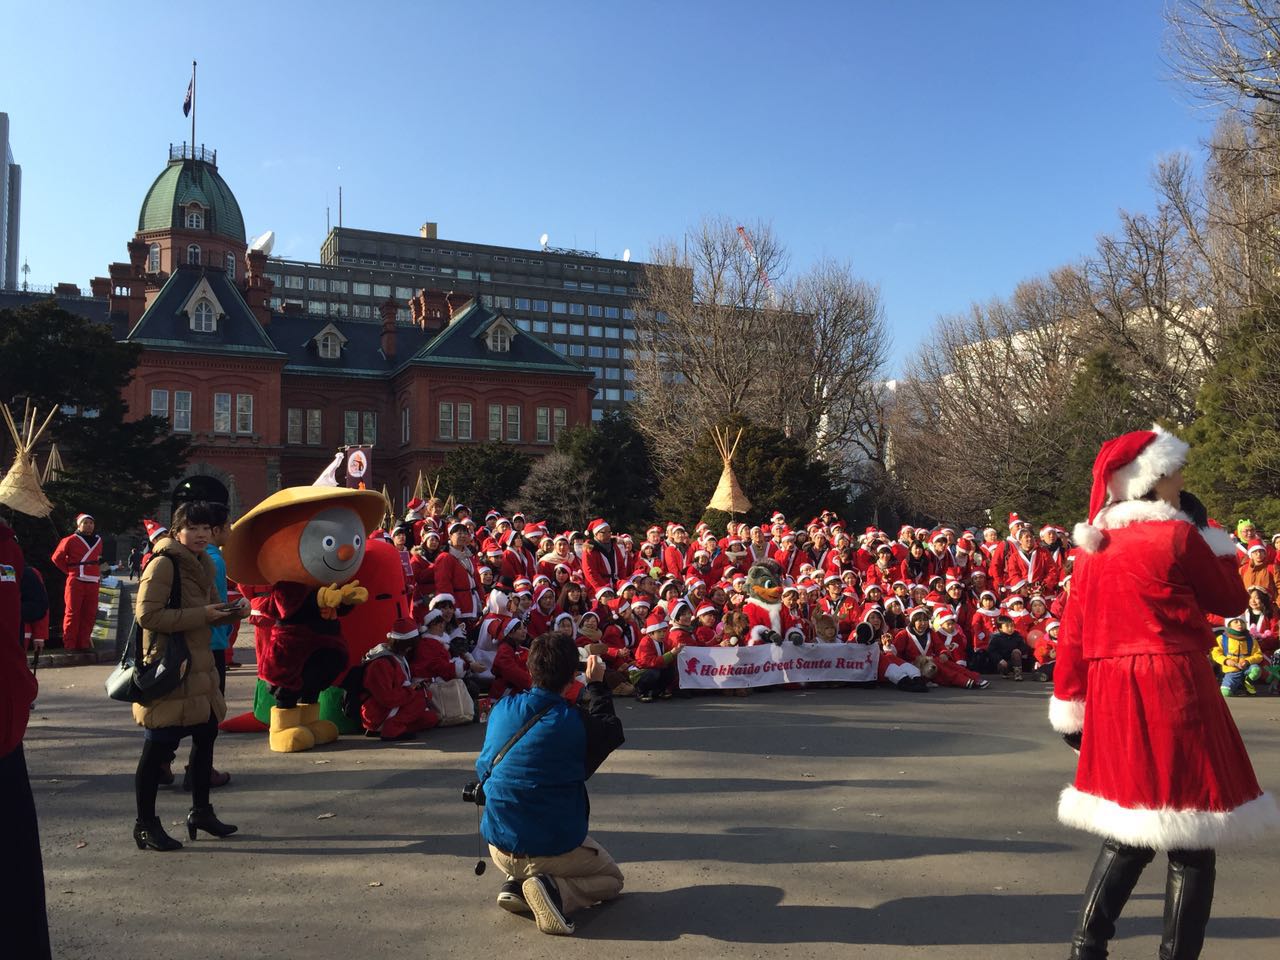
[
  {"x": 150, "y": 835},
  {"x": 1188, "y": 898},
  {"x": 1115, "y": 874},
  {"x": 203, "y": 818}
]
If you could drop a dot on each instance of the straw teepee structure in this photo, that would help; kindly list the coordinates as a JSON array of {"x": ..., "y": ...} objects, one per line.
[
  {"x": 729, "y": 497},
  {"x": 54, "y": 468},
  {"x": 20, "y": 489}
]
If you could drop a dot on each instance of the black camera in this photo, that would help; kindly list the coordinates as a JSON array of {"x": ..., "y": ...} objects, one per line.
[{"x": 473, "y": 792}]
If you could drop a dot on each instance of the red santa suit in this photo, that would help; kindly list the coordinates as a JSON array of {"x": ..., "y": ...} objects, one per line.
[
  {"x": 455, "y": 574},
  {"x": 79, "y": 558},
  {"x": 675, "y": 558},
  {"x": 603, "y": 566},
  {"x": 789, "y": 561},
  {"x": 1162, "y": 764},
  {"x": 395, "y": 704},
  {"x": 517, "y": 564},
  {"x": 510, "y": 670},
  {"x": 34, "y": 630},
  {"x": 953, "y": 672},
  {"x": 764, "y": 617},
  {"x": 982, "y": 627}
]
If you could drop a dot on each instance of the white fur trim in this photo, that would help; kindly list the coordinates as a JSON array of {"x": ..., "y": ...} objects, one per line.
[
  {"x": 1087, "y": 537},
  {"x": 1162, "y": 456},
  {"x": 1219, "y": 541},
  {"x": 1066, "y": 716},
  {"x": 899, "y": 671},
  {"x": 1169, "y": 829},
  {"x": 1127, "y": 512}
]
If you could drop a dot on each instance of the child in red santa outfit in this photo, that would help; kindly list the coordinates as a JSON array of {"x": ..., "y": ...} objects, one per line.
[
  {"x": 397, "y": 705},
  {"x": 1162, "y": 767}
]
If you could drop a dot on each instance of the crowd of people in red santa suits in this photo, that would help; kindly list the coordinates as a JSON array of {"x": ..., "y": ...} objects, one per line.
[{"x": 945, "y": 606}]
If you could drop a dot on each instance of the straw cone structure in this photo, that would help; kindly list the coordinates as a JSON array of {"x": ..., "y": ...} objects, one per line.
[
  {"x": 53, "y": 467},
  {"x": 20, "y": 489},
  {"x": 729, "y": 497}
]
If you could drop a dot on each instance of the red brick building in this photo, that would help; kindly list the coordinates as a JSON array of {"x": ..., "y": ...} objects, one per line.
[{"x": 267, "y": 397}]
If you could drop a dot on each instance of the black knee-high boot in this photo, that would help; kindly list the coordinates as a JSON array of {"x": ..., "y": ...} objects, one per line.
[
  {"x": 1188, "y": 899},
  {"x": 1115, "y": 874}
]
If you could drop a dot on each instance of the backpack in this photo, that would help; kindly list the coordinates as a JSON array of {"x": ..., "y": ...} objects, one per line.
[{"x": 353, "y": 692}]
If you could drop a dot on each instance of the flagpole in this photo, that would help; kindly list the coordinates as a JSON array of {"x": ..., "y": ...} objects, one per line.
[{"x": 193, "y": 110}]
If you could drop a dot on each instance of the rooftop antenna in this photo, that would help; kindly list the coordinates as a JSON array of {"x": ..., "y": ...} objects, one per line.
[
  {"x": 26, "y": 271},
  {"x": 542, "y": 241}
]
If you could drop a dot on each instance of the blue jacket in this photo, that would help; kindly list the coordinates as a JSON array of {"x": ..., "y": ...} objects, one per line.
[
  {"x": 218, "y": 636},
  {"x": 536, "y": 800}
]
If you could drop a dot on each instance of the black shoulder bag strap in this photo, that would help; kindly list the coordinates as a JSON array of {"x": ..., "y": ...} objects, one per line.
[{"x": 515, "y": 738}]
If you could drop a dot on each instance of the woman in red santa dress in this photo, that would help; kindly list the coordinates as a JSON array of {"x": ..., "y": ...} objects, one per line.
[{"x": 1162, "y": 766}]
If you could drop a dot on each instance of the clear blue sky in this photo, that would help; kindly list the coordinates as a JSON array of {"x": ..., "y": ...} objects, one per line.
[{"x": 946, "y": 150}]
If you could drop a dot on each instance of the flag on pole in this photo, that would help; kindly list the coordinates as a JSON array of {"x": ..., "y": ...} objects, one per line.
[{"x": 191, "y": 92}]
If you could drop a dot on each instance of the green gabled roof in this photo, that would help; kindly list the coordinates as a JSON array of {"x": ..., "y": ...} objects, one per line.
[
  {"x": 183, "y": 181},
  {"x": 461, "y": 344}
]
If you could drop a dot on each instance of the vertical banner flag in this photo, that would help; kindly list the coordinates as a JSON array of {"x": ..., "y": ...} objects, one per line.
[
  {"x": 359, "y": 463},
  {"x": 191, "y": 92}
]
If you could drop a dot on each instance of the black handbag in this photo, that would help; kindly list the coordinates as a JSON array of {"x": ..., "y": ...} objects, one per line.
[{"x": 135, "y": 681}]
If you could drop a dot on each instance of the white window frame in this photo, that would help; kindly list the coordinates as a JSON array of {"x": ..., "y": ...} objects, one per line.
[
  {"x": 350, "y": 427},
  {"x": 560, "y": 420},
  {"x": 444, "y": 420},
  {"x": 182, "y": 411},
  {"x": 222, "y": 420},
  {"x": 294, "y": 425},
  {"x": 514, "y": 425},
  {"x": 499, "y": 339},
  {"x": 315, "y": 418},
  {"x": 369, "y": 426},
  {"x": 244, "y": 413},
  {"x": 194, "y": 218},
  {"x": 542, "y": 428},
  {"x": 153, "y": 258},
  {"x": 496, "y": 421},
  {"x": 330, "y": 347},
  {"x": 463, "y": 412},
  {"x": 204, "y": 319},
  {"x": 160, "y": 403}
]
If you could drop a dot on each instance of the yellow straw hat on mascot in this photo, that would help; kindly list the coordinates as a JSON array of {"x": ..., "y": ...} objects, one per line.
[{"x": 307, "y": 543}]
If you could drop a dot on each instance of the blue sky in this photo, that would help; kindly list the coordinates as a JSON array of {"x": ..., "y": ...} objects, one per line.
[{"x": 946, "y": 150}]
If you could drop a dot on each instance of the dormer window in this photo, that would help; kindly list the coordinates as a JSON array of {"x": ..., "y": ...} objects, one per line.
[
  {"x": 499, "y": 339},
  {"x": 330, "y": 348},
  {"x": 203, "y": 318},
  {"x": 195, "y": 217}
]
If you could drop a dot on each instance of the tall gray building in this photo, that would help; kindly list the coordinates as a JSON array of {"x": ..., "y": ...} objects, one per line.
[
  {"x": 578, "y": 303},
  {"x": 10, "y": 207}
]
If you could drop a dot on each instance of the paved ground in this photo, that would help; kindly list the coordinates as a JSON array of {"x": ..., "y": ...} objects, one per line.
[{"x": 824, "y": 823}]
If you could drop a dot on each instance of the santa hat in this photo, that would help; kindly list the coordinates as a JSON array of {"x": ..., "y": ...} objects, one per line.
[
  {"x": 83, "y": 516},
  {"x": 403, "y": 629},
  {"x": 988, "y": 593},
  {"x": 1257, "y": 545},
  {"x": 642, "y": 601},
  {"x": 942, "y": 615},
  {"x": 153, "y": 528},
  {"x": 561, "y": 538},
  {"x": 1014, "y": 521},
  {"x": 414, "y": 506},
  {"x": 939, "y": 536},
  {"x": 458, "y": 527},
  {"x": 1128, "y": 467},
  {"x": 1051, "y": 625},
  {"x": 618, "y": 606},
  {"x": 705, "y": 609},
  {"x": 920, "y": 611},
  {"x": 433, "y": 616},
  {"x": 589, "y": 613},
  {"x": 656, "y": 623},
  {"x": 595, "y": 526},
  {"x": 654, "y": 529},
  {"x": 561, "y": 618},
  {"x": 605, "y": 591},
  {"x": 440, "y": 598}
]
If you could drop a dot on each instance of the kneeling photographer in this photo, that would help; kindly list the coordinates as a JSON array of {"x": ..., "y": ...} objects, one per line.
[{"x": 537, "y": 756}]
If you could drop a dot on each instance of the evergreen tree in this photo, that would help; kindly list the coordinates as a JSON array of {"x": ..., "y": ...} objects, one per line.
[
  {"x": 484, "y": 476},
  {"x": 1234, "y": 465}
]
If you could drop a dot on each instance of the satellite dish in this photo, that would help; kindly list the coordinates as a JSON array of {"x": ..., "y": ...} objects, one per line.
[
  {"x": 626, "y": 255},
  {"x": 265, "y": 242},
  {"x": 543, "y": 241}
]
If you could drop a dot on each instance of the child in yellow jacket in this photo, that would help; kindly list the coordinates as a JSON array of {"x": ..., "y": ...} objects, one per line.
[{"x": 1240, "y": 657}]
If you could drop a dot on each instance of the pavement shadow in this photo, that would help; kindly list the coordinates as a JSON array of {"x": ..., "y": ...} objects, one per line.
[
  {"x": 755, "y": 915},
  {"x": 760, "y": 846}
]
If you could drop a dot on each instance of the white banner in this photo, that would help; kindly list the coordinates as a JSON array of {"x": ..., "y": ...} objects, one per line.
[{"x": 710, "y": 668}]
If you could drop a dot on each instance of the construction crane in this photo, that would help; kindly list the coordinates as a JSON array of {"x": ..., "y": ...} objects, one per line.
[{"x": 760, "y": 271}]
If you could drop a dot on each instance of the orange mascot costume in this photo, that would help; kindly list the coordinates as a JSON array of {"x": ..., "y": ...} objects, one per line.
[{"x": 308, "y": 544}]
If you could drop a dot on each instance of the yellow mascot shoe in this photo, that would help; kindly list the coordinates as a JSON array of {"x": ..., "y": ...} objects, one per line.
[
  {"x": 287, "y": 733},
  {"x": 325, "y": 731}
]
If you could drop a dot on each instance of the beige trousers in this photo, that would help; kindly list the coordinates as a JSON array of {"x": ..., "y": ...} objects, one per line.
[{"x": 584, "y": 876}]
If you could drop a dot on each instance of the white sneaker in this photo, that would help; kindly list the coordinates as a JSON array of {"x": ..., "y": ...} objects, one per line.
[{"x": 543, "y": 897}]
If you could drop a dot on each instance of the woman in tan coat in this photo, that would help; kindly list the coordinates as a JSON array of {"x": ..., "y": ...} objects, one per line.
[{"x": 194, "y": 708}]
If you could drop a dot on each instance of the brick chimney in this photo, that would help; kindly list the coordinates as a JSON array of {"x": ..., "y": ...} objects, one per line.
[
  {"x": 388, "y": 311},
  {"x": 257, "y": 287},
  {"x": 100, "y": 287},
  {"x": 66, "y": 290},
  {"x": 138, "y": 251}
]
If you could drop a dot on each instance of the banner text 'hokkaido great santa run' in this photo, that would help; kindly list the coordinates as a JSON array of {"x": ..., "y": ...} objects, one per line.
[{"x": 709, "y": 668}]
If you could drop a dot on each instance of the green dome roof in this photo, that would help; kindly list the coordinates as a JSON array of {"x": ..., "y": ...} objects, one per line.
[{"x": 182, "y": 182}]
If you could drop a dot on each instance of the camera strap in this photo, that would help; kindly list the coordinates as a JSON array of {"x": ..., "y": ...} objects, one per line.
[{"x": 515, "y": 738}]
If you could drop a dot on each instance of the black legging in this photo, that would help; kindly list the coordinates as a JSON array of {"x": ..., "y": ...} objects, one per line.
[
  {"x": 23, "y": 921},
  {"x": 158, "y": 750},
  {"x": 654, "y": 680},
  {"x": 319, "y": 670}
]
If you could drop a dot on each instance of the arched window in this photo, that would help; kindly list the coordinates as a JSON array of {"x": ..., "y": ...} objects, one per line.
[
  {"x": 231, "y": 266},
  {"x": 329, "y": 347},
  {"x": 193, "y": 254},
  {"x": 153, "y": 259},
  {"x": 195, "y": 217},
  {"x": 202, "y": 318},
  {"x": 499, "y": 340}
]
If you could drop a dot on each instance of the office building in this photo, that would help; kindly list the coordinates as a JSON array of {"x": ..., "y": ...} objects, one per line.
[{"x": 10, "y": 209}]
